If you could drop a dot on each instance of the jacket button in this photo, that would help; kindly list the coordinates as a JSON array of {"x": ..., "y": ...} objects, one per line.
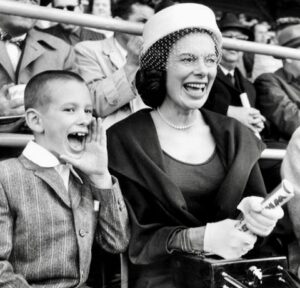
[{"x": 82, "y": 232}]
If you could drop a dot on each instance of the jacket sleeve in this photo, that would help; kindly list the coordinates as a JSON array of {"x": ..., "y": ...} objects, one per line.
[
  {"x": 110, "y": 89},
  {"x": 274, "y": 103},
  {"x": 8, "y": 278},
  {"x": 114, "y": 232},
  {"x": 151, "y": 225}
]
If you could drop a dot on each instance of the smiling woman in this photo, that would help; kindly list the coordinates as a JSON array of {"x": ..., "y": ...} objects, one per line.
[{"x": 181, "y": 186}]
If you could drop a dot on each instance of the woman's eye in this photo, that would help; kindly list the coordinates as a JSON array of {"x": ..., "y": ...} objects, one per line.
[
  {"x": 189, "y": 59},
  {"x": 89, "y": 111},
  {"x": 211, "y": 59}
]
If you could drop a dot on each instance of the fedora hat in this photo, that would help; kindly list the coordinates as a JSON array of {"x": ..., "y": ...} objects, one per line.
[
  {"x": 289, "y": 36},
  {"x": 230, "y": 21}
]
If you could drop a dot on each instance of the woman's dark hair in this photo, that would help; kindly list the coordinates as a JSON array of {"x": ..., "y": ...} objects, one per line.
[{"x": 151, "y": 85}]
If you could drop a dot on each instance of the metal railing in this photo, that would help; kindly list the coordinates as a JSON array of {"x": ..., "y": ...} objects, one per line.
[
  {"x": 87, "y": 20},
  {"x": 56, "y": 15}
]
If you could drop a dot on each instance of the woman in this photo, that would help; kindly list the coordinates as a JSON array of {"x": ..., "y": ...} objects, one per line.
[{"x": 183, "y": 170}]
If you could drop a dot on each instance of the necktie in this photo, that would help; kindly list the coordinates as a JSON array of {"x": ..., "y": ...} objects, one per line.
[{"x": 230, "y": 78}]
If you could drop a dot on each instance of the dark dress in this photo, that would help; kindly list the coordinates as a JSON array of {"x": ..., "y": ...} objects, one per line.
[{"x": 156, "y": 204}]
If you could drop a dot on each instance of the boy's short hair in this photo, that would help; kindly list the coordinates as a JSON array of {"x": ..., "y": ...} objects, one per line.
[{"x": 37, "y": 92}]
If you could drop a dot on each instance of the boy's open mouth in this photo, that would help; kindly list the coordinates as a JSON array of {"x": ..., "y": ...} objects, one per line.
[{"x": 77, "y": 141}]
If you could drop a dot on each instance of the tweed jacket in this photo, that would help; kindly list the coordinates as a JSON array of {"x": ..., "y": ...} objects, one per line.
[
  {"x": 224, "y": 94},
  {"x": 47, "y": 232},
  {"x": 156, "y": 205},
  {"x": 82, "y": 34},
  {"x": 279, "y": 100},
  {"x": 101, "y": 64},
  {"x": 41, "y": 52}
]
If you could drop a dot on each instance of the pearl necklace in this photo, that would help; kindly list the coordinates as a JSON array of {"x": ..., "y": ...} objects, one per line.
[{"x": 177, "y": 127}]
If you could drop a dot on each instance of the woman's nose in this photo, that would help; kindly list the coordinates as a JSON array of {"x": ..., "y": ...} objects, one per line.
[{"x": 200, "y": 68}]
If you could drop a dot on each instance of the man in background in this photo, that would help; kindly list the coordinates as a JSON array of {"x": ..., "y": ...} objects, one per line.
[
  {"x": 25, "y": 52},
  {"x": 71, "y": 33},
  {"x": 109, "y": 66}
]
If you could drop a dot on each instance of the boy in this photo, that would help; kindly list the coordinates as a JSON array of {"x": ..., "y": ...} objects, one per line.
[{"x": 47, "y": 217}]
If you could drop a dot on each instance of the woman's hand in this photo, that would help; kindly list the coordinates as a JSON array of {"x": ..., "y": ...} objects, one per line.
[
  {"x": 224, "y": 239},
  {"x": 250, "y": 117},
  {"x": 259, "y": 221},
  {"x": 94, "y": 160}
]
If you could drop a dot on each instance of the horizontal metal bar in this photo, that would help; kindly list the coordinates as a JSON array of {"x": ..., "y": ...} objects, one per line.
[
  {"x": 20, "y": 140},
  {"x": 14, "y": 140},
  {"x": 273, "y": 154},
  {"x": 87, "y": 20},
  {"x": 57, "y": 15}
]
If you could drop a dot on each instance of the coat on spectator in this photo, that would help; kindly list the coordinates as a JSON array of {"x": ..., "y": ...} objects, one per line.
[
  {"x": 101, "y": 63},
  {"x": 156, "y": 205},
  {"x": 72, "y": 38},
  {"x": 223, "y": 93},
  {"x": 41, "y": 52},
  {"x": 279, "y": 101}
]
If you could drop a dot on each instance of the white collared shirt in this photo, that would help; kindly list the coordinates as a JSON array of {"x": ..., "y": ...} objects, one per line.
[
  {"x": 43, "y": 158},
  {"x": 14, "y": 52},
  {"x": 226, "y": 71}
]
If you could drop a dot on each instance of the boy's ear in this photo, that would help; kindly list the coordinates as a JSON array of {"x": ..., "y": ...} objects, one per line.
[{"x": 34, "y": 120}]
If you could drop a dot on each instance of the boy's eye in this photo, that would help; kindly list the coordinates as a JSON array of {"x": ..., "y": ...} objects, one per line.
[{"x": 89, "y": 111}]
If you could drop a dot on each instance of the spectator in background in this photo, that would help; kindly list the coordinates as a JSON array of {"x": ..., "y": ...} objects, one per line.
[
  {"x": 231, "y": 86},
  {"x": 72, "y": 34},
  {"x": 109, "y": 66},
  {"x": 290, "y": 170},
  {"x": 25, "y": 52},
  {"x": 257, "y": 64},
  {"x": 225, "y": 96},
  {"x": 279, "y": 92},
  {"x": 101, "y": 8}
]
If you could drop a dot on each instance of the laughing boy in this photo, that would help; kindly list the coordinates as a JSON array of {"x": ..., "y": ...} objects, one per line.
[{"x": 47, "y": 195}]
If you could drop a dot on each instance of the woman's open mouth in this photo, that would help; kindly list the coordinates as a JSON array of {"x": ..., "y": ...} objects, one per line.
[{"x": 195, "y": 89}]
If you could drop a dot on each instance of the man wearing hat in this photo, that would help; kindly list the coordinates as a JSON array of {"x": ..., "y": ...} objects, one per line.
[
  {"x": 225, "y": 96},
  {"x": 279, "y": 92},
  {"x": 231, "y": 89}
]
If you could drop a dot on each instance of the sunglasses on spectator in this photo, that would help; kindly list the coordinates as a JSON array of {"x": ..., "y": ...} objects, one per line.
[
  {"x": 68, "y": 7},
  {"x": 239, "y": 37}
]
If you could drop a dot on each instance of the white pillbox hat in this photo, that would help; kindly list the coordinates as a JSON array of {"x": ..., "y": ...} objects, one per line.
[{"x": 178, "y": 17}]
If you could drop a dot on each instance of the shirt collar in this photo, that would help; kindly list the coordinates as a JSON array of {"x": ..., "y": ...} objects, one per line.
[
  {"x": 19, "y": 38},
  {"x": 44, "y": 158},
  {"x": 226, "y": 71},
  {"x": 121, "y": 49}
]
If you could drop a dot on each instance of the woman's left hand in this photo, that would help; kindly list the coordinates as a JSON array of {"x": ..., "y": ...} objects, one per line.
[{"x": 259, "y": 221}]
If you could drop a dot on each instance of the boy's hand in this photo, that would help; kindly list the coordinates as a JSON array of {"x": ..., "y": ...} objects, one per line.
[{"x": 94, "y": 161}]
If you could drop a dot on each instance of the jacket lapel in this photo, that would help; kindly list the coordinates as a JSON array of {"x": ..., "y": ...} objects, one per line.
[
  {"x": 113, "y": 53},
  {"x": 5, "y": 61},
  {"x": 50, "y": 177},
  {"x": 225, "y": 80},
  {"x": 32, "y": 51}
]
